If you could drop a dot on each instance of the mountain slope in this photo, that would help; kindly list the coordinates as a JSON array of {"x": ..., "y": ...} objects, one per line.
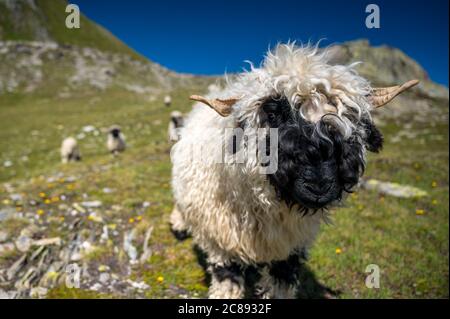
[{"x": 44, "y": 20}]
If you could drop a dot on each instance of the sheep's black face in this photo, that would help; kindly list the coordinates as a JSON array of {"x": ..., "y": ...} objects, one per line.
[
  {"x": 315, "y": 169},
  {"x": 115, "y": 132}
]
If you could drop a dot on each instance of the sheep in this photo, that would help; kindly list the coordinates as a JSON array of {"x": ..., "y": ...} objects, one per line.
[
  {"x": 69, "y": 150},
  {"x": 167, "y": 100},
  {"x": 175, "y": 124},
  {"x": 116, "y": 140},
  {"x": 247, "y": 221}
]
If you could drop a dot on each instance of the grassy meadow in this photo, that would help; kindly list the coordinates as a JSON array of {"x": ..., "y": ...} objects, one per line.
[{"x": 406, "y": 238}]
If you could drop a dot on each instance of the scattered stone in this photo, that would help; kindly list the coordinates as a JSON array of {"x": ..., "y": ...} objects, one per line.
[
  {"x": 4, "y": 236},
  {"x": 29, "y": 231},
  {"x": 138, "y": 285},
  {"x": 96, "y": 287},
  {"x": 23, "y": 243},
  {"x": 16, "y": 197},
  {"x": 7, "y": 164},
  {"x": 7, "y": 294},
  {"x": 48, "y": 241},
  {"x": 92, "y": 204},
  {"x": 6, "y": 213},
  {"x": 393, "y": 189},
  {"x": 146, "y": 253},
  {"x": 146, "y": 204},
  {"x": 107, "y": 190},
  {"x": 38, "y": 292},
  {"x": 79, "y": 208},
  {"x": 104, "y": 237},
  {"x": 11, "y": 272},
  {"x": 88, "y": 128},
  {"x": 104, "y": 277},
  {"x": 128, "y": 246}
]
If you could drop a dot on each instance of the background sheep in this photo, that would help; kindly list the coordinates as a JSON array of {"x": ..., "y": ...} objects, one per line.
[
  {"x": 116, "y": 140},
  {"x": 69, "y": 150},
  {"x": 250, "y": 222},
  {"x": 167, "y": 100},
  {"x": 175, "y": 124}
]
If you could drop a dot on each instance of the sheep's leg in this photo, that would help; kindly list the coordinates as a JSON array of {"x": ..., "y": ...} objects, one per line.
[
  {"x": 227, "y": 281},
  {"x": 280, "y": 279},
  {"x": 178, "y": 225}
]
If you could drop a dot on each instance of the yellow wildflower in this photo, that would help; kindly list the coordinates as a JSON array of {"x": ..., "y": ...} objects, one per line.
[
  {"x": 338, "y": 251},
  {"x": 160, "y": 279},
  {"x": 420, "y": 212}
]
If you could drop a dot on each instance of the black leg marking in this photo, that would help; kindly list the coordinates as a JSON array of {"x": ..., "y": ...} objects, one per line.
[
  {"x": 233, "y": 272},
  {"x": 286, "y": 271}
]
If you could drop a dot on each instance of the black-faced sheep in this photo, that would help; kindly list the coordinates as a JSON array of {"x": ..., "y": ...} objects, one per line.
[
  {"x": 116, "y": 140},
  {"x": 175, "y": 124},
  {"x": 70, "y": 151},
  {"x": 245, "y": 219}
]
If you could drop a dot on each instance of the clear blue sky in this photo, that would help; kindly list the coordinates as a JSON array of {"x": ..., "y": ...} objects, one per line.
[{"x": 211, "y": 37}]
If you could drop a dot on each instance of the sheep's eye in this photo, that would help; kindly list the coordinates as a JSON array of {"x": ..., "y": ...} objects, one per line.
[{"x": 271, "y": 116}]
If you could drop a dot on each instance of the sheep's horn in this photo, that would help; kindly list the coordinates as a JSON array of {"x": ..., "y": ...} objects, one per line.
[
  {"x": 221, "y": 106},
  {"x": 382, "y": 96}
]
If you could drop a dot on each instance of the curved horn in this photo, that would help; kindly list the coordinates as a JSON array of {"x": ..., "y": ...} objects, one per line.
[
  {"x": 221, "y": 106},
  {"x": 382, "y": 96}
]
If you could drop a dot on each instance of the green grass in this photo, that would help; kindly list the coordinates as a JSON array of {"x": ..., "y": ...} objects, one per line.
[{"x": 411, "y": 250}]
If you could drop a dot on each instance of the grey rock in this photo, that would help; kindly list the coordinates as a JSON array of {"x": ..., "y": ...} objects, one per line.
[
  {"x": 393, "y": 189},
  {"x": 38, "y": 292},
  {"x": 23, "y": 243},
  {"x": 7, "y": 213},
  {"x": 128, "y": 246},
  {"x": 104, "y": 277},
  {"x": 92, "y": 204},
  {"x": 16, "y": 267},
  {"x": 4, "y": 236}
]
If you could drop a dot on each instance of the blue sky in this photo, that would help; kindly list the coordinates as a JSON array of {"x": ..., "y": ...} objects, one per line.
[{"x": 213, "y": 37}]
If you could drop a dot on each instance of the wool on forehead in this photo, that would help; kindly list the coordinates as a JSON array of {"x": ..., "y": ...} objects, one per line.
[{"x": 312, "y": 86}]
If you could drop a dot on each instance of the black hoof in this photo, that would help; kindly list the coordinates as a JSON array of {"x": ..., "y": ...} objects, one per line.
[{"x": 180, "y": 234}]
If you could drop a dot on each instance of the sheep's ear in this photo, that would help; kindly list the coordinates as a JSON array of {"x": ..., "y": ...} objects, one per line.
[
  {"x": 382, "y": 96},
  {"x": 221, "y": 106}
]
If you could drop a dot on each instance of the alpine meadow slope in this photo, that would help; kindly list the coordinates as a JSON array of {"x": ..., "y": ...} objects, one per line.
[{"x": 108, "y": 215}]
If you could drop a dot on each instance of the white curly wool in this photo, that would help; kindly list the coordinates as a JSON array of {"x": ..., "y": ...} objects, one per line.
[{"x": 231, "y": 210}]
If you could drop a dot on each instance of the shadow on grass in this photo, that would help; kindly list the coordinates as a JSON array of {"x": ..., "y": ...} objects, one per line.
[{"x": 310, "y": 287}]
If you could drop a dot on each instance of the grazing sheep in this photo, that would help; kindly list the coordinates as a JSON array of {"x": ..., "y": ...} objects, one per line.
[
  {"x": 69, "y": 150},
  {"x": 259, "y": 224},
  {"x": 175, "y": 124},
  {"x": 167, "y": 100},
  {"x": 116, "y": 140}
]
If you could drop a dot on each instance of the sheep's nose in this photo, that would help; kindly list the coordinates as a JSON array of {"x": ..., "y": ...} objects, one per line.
[{"x": 319, "y": 190}]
